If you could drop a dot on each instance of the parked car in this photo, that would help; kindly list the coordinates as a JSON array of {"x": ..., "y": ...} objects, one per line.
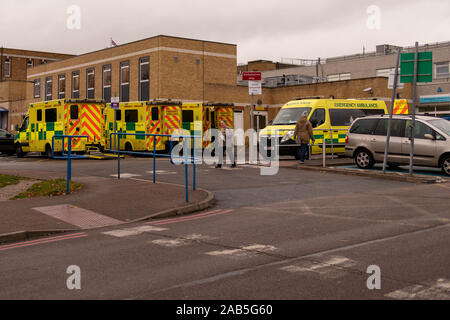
[
  {"x": 7, "y": 143},
  {"x": 366, "y": 141}
]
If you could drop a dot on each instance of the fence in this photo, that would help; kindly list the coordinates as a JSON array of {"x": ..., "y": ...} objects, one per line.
[
  {"x": 328, "y": 138},
  {"x": 67, "y": 155},
  {"x": 187, "y": 158}
]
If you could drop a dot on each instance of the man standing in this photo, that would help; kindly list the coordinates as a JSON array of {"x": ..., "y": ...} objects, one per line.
[
  {"x": 224, "y": 135},
  {"x": 302, "y": 134}
]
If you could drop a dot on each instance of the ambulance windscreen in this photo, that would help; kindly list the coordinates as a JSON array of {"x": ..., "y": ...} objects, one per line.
[{"x": 289, "y": 116}]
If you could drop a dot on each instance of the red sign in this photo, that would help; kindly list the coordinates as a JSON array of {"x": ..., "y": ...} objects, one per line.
[{"x": 251, "y": 76}]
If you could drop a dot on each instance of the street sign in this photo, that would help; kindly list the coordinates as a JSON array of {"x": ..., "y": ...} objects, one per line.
[
  {"x": 391, "y": 81},
  {"x": 254, "y": 88},
  {"x": 424, "y": 67},
  {"x": 251, "y": 76},
  {"x": 115, "y": 102}
]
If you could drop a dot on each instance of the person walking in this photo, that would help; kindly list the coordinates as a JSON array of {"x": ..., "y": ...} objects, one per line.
[
  {"x": 302, "y": 134},
  {"x": 225, "y": 134}
]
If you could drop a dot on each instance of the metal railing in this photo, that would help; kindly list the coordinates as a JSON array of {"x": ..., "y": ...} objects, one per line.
[
  {"x": 67, "y": 155},
  {"x": 187, "y": 158},
  {"x": 324, "y": 145}
]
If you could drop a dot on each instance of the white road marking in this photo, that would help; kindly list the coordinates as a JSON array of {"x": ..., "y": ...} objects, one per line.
[
  {"x": 180, "y": 241},
  {"x": 126, "y": 175},
  {"x": 433, "y": 290},
  {"x": 243, "y": 251},
  {"x": 331, "y": 268},
  {"x": 162, "y": 172},
  {"x": 120, "y": 233}
]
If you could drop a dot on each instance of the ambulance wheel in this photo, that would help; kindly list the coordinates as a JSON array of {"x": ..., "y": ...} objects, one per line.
[
  {"x": 19, "y": 151},
  {"x": 128, "y": 147},
  {"x": 364, "y": 159},
  {"x": 48, "y": 151}
]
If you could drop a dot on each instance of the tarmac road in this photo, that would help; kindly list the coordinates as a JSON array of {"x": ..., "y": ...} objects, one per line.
[{"x": 295, "y": 235}]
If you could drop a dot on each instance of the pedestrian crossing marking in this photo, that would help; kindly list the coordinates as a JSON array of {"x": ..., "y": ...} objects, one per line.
[
  {"x": 181, "y": 241},
  {"x": 126, "y": 175},
  {"x": 333, "y": 267}
]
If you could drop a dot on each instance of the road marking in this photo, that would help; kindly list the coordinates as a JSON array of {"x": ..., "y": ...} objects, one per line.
[
  {"x": 334, "y": 267},
  {"x": 243, "y": 251},
  {"x": 42, "y": 241},
  {"x": 189, "y": 218},
  {"x": 181, "y": 241},
  {"x": 161, "y": 172},
  {"x": 85, "y": 219},
  {"x": 432, "y": 290},
  {"x": 120, "y": 233},
  {"x": 125, "y": 175}
]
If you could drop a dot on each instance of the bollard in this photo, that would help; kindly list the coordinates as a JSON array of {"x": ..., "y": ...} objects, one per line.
[
  {"x": 154, "y": 160},
  {"x": 69, "y": 164},
  {"x": 324, "y": 150}
]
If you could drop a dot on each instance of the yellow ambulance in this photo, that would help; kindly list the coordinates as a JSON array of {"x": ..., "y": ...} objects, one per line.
[
  {"x": 199, "y": 117},
  {"x": 61, "y": 117},
  {"x": 147, "y": 117},
  {"x": 330, "y": 119}
]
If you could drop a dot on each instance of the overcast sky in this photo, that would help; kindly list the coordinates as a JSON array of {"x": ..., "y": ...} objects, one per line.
[{"x": 261, "y": 29}]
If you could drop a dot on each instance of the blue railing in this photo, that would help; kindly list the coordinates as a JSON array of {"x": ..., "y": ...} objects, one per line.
[
  {"x": 67, "y": 155},
  {"x": 187, "y": 158}
]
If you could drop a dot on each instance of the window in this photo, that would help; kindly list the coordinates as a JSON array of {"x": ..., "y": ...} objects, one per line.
[
  {"x": 317, "y": 118},
  {"x": 442, "y": 70},
  {"x": 131, "y": 116},
  {"x": 118, "y": 115},
  {"x": 8, "y": 67},
  {"x": 74, "y": 112},
  {"x": 345, "y": 117},
  {"x": 107, "y": 83},
  {"x": 188, "y": 116},
  {"x": 364, "y": 126},
  {"x": 90, "y": 83},
  {"x": 124, "y": 81},
  {"x": 48, "y": 88},
  {"x": 75, "y": 84},
  {"x": 39, "y": 115},
  {"x": 144, "y": 79},
  {"x": 289, "y": 116},
  {"x": 397, "y": 128},
  {"x": 50, "y": 115},
  {"x": 155, "y": 114},
  {"x": 43, "y": 61},
  {"x": 421, "y": 129},
  {"x": 30, "y": 63},
  {"x": 338, "y": 77},
  {"x": 37, "y": 88},
  {"x": 61, "y": 86}
]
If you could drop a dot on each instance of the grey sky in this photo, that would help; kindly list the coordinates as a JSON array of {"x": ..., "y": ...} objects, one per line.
[{"x": 261, "y": 29}]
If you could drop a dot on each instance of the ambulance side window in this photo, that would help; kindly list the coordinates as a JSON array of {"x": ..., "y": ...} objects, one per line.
[
  {"x": 39, "y": 115},
  {"x": 118, "y": 115},
  {"x": 317, "y": 118},
  {"x": 155, "y": 113},
  {"x": 74, "y": 112},
  {"x": 131, "y": 116},
  {"x": 50, "y": 115}
]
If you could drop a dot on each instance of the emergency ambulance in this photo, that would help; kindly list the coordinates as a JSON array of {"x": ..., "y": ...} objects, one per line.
[
  {"x": 199, "y": 117},
  {"x": 61, "y": 117},
  {"x": 324, "y": 114},
  {"x": 146, "y": 117}
]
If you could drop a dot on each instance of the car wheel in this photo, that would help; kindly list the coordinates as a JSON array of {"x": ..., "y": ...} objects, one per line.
[
  {"x": 364, "y": 159},
  {"x": 19, "y": 151},
  {"x": 446, "y": 165}
]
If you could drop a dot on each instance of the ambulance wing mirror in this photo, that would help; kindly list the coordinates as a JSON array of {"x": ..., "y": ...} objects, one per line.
[
  {"x": 270, "y": 122},
  {"x": 428, "y": 136},
  {"x": 17, "y": 127}
]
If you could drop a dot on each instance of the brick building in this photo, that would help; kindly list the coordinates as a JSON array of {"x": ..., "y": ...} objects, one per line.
[
  {"x": 165, "y": 67},
  {"x": 14, "y": 65}
]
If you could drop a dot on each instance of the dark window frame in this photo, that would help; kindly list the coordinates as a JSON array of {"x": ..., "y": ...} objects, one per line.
[
  {"x": 37, "y": 88},
  {"x": 61, "y": 94},
  {"x": 106, "y": 68},
  {"x": 89, "y": 90},
  {"x": 124, "y": 87},
  {"x": 144, "y": 83},
  {"x": 75, "y": 93},
  {"x": 48, "y": 90}
]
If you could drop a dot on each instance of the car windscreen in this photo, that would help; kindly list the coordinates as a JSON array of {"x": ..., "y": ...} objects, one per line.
[
  {"x": 289, "y": 116},
  {"x": 345, "y": 117},
  {"x": 442, "y": 124}
]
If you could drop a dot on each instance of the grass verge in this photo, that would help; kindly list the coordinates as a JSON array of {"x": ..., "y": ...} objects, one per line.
[
  {"x": 6, "y": 180},
  {"x": 49, "y": 188}
]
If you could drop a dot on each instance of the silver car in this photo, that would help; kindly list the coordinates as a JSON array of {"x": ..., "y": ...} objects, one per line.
[{"x": 366, "y": 141}]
